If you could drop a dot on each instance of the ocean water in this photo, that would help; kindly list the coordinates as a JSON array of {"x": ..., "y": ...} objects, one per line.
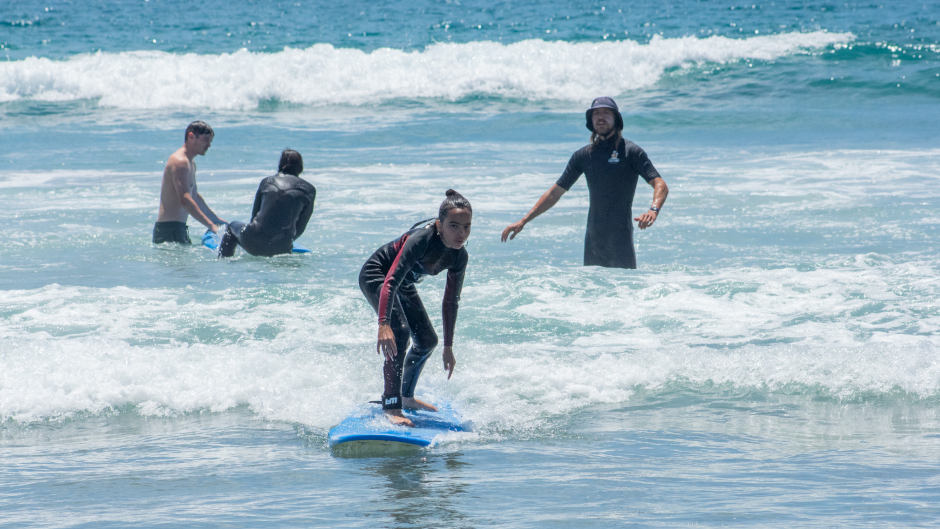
[{"x": 773, "y": 362}]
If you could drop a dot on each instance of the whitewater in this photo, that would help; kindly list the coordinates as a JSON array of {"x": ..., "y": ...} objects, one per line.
[{"x": 774, "y": 360}]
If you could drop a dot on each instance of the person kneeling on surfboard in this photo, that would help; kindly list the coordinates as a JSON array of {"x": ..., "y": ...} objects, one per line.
[
  {"x": 283, "y": 205},
  {"x": 388, "y": 281}
]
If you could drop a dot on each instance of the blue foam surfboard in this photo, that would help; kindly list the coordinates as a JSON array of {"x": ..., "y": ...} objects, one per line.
[
  {"x": 369, "y": 432},
  {"x": 211, "y": 241}
]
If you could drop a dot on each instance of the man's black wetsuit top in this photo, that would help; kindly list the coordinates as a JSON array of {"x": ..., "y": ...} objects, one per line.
[
  {"x": 388, "y": 281},
  {"x": 283, "y": 205},
  {"x": 612, "y": 171}
]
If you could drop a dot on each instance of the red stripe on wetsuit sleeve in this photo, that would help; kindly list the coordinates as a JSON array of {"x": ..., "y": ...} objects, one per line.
[{"x": 386, "y": 291}]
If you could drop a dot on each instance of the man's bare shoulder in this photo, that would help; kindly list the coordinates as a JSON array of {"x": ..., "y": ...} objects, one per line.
[{"x": 178, "y": 163}]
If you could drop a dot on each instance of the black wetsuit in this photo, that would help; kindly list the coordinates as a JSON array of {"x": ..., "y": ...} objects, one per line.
[
  {"x": 612, "y": 173},
  {"x": 283, "y": 205},
  {"x": 171, "y": 231},
  {"x": 388, "y": 281}
]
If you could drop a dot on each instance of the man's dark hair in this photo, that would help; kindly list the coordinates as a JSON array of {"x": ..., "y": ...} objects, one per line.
[
  {"x": 291, "y": 162},
  {"x": 198, "y": 128}
]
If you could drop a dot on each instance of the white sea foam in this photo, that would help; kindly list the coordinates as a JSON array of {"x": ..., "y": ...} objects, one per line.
[
  {"x": 532, "y": 345},
  {"x": 324, "y": 74},
  {"x": 69, "y": 350}
]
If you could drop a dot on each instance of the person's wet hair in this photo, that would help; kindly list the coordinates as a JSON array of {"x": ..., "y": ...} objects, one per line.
[
  {"x": 454, "y": 200},
  {"x": 291, "y": 162},
  {"x": 198, "y": 128}
]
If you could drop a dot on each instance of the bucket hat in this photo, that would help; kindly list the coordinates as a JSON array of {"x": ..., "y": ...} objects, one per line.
[{"x": 603, "y": 102}]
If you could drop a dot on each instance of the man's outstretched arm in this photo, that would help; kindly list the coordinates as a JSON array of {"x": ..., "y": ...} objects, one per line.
[{"x": 544, "y": 203}]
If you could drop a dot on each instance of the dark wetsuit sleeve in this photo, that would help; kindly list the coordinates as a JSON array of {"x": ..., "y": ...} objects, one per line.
[
  {"x": 304, "y": 216},
  {"x": 642, "y": 164},
  {"x": 452, "y": 297},
  {"x": 259, "y": 195},
  {"x": 573, "y": 171},
  {"x": 410, "y": 249}
]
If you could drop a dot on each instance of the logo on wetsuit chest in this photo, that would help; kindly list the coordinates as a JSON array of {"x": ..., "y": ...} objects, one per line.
[
  {"x": 613, "y": 158},
  {"x": 417, "y": 273}
]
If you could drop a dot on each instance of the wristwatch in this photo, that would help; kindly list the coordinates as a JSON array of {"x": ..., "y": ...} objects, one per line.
[{"x": 654, "y": 208}]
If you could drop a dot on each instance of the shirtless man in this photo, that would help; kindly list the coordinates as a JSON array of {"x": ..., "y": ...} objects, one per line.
[{"x": 179, "y": 197}]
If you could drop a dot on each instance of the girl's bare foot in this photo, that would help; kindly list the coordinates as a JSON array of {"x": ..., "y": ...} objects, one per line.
[
  {"x": 414, "y": 404},
  {"x": 397, "y": 418}
]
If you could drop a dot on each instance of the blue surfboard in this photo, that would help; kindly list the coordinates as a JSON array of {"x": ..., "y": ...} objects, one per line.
[
  {"x": 211, "y": 241},
  {"x": 369, "y": 432}
]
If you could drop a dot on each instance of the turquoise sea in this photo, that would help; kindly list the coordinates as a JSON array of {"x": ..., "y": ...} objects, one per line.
[{"x": 773, "y": 362}]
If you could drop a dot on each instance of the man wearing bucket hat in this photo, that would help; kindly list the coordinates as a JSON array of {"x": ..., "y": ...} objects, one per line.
[{"x": 612, "y": 166}]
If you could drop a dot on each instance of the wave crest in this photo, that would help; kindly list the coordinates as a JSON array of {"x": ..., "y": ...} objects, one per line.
[{"x": 323, "y": 74}]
